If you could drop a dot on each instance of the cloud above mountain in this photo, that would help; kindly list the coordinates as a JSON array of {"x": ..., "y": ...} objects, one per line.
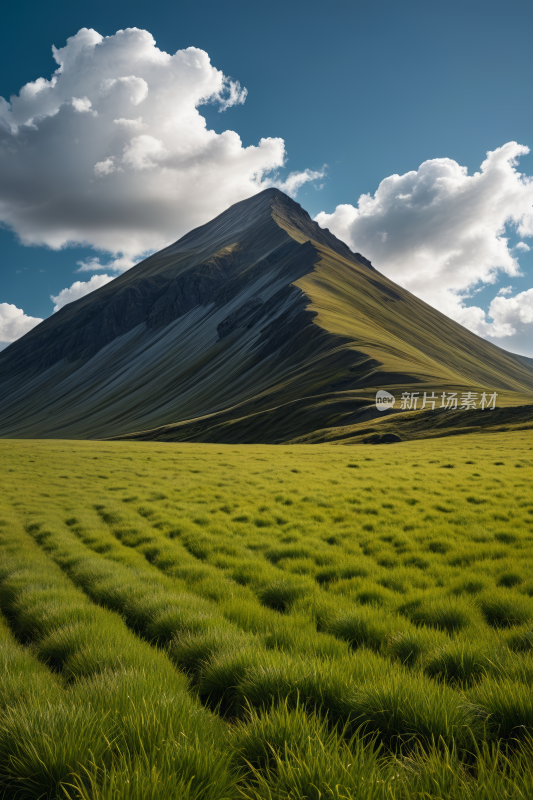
[
  {"x": 79, "y": 289},
  {"x": 14, "y": 323},
  {"x": 441, "y": 233},
  {"x": 112, "y": 151}
]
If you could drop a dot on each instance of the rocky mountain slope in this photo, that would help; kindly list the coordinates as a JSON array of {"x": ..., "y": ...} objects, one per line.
[{"x": 258, "y": 326}]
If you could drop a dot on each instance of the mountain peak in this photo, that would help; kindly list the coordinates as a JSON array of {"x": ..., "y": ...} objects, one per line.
[
  {"x": 257, "y": 326},
  {"x": 245, "y": 216}
]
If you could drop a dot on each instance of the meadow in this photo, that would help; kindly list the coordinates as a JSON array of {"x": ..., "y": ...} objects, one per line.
[{"x": 313, "y": 622}]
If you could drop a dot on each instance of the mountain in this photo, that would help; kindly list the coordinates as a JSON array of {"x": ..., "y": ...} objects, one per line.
[{"x": 259, "y": 326}]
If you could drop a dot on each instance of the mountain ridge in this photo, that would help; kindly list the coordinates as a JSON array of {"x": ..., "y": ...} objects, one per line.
[
  {"x": 256, "y": 309},
  {"x": 149, "y": 288}
]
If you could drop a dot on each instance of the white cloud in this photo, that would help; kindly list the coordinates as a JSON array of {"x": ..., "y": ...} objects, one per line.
[
  {"x": 441, "y": 233},
  {"x": 93, "y": 263},
  {"x": 14, "y": 323},
  {"x": 513, "y": 311},
  {"x": 79, "y": 289},
  {"x": 506, "y": 290},
  {"x": 515, "y": 315},
  {"x": 112, "y": 152},
  {"x": 295, "y": 180},
  {"x": 135, "y": 88},
  {"x": 133, "y": 124},
  {"x": 105, "y": 167},
  {"x": 525, "y": 248},
  {"x": 82, "y": 104},
  {"x": 234, "y": 95},
  {"x": 144, "y": 152}
]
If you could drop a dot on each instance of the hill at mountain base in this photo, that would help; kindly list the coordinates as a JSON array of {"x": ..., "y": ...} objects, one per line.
[{"x": 259, "y": 326}]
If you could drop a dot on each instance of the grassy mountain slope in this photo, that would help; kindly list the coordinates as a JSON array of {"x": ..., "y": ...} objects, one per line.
[{"x": 260, "y": 323}]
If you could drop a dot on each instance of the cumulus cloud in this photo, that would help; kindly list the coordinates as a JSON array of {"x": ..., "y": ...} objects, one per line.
[
  {"x": 93, "y": 263},
  {"x": 77, "y": 290},
  {"x": 234, "y": 95},
  {"x": 112, "y": 151},
  {"x": 82, "y": 105},
  {"x": 513, "y": 311},
  {"x": 105, "y": 167},
  {"x": 441, "y": 233},
  {"x": 132, "y": 124},
  {"x": 295, "y": 180},
  {"x": 514, "y": 316},
  {"x": 14, "y": 323}
]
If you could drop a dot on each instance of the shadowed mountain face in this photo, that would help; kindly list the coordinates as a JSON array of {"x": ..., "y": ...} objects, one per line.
[{"x": 259, "y": 326}]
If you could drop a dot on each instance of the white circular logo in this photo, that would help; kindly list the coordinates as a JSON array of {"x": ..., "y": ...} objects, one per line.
[{"x": 384, "y": 400}]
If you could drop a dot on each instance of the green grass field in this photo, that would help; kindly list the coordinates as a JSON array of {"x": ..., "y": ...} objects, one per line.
[{"x": 187, "y": 621}]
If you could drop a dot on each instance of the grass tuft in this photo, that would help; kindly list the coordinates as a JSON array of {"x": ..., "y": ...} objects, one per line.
[
  {"x": 360, "y": 629},
  {"x": 460, "y": 664},
  {"x": 281, "y": 595},
  {"x": 445, "y": 614},
  {"x": 503, "y": 610},
  {"x": 406, "y": 647}
]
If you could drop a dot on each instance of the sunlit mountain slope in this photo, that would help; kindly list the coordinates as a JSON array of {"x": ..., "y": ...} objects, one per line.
[{"x": 258, "y": 326}]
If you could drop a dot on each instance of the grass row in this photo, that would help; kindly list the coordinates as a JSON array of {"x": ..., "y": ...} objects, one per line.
[
  {"x": 456, "y": 694},
  {"x": 286, "y": 750},
  {"x": 108, "y": 705},
  {"x": 22, "y": 677},
  {"x": 413, "y": 631}
]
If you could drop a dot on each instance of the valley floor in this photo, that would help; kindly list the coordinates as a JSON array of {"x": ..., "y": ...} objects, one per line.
[{"x": 194, "y": 621}]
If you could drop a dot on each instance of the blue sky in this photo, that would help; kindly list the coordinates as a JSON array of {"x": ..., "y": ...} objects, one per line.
[{"x": 368, "y": 89}]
